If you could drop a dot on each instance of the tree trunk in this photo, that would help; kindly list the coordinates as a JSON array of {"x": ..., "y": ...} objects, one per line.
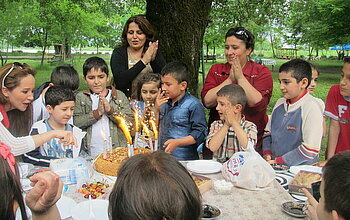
[
  {"x": 180, "y": 27},
  {"x": 44, "y": 48},
  {"x": 272, "y": 46}
]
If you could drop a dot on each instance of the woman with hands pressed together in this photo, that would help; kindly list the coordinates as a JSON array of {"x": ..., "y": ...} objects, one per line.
[
  {"x": 254, "y": 78},
  {"x": 17, "y": 84},
  {"x": 137, "y": 55}
]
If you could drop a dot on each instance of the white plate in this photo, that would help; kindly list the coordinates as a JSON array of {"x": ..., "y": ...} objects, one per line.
[
  {"x": 64, "y": 206},
  {"x": 296, "y": 169},
  {"x": 100, "y": 209},
  {"x": 204, "y": 166}
]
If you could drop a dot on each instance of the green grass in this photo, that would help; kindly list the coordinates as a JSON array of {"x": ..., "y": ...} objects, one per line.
[{"x": 329, "y": 75}]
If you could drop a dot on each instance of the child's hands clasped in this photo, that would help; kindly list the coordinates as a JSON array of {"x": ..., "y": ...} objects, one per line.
[
  {"x": 103, "y": 105},
  {"x": 47, "y": 190}
]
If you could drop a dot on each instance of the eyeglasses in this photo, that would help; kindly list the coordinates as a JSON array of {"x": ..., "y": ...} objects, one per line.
[
  {"x": 242, "y": 32},
  {"x": 15, "y": 64}
]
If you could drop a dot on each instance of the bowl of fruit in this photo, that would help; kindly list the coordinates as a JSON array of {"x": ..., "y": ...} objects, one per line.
[{"x": 95, "y": 189}]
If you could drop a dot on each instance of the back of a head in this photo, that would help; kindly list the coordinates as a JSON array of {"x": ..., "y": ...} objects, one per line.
[
  {"x": 11, "y": 190},
  {"x": 298, "y": 68},
  {"x": 234, "y": 93},
  {"x": 177, "y": 69},
  {"x": 95, "y": 63},
  {"x": 336, "y": 180},
  {"x": 55, "y": 95},
  {"x": 154, "y": 186},
  {"x": 65, "y": 75},
  {"x": 347, "y": 60}
]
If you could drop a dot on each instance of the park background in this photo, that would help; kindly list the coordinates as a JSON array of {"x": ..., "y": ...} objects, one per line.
[{"x": 187, "y": 31}]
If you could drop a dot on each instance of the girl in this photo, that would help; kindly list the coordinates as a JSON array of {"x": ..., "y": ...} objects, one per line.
[
  {"x": 17, "y": 84},
  {"x": 47, "y": 189},
  {"x": 147, "y": 90}
]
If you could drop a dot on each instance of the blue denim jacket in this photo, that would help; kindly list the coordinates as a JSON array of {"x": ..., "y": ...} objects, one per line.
[{"x": 186, "y": 117}]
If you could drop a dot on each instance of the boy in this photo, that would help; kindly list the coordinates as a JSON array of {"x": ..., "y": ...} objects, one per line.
[
  {"x": 182, "y": 118},
  {"x": 232, "y": 133},
  {"x": 335, "y": 192},
  {"x": 338, "y": 110},
  {"x": 95, "y": 107},
  {"x": 60, "y": 105},
  {"x": 64, "y": 75},
  {"x": 295, "y": 128}
]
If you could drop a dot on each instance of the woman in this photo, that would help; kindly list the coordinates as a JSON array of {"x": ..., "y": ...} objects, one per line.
[
  {"x": 254, "y": 78},
  {"x": 154, "y": 186},
  {"x": 17, "y": 84},
  {"x": 137, "y": 55}
]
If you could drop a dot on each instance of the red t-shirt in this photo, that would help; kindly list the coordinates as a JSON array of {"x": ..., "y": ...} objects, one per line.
[
  {"x": 259, "y": 76},
  {"x": 5, "y": 120},
  {"x": 338, "y": 109}
]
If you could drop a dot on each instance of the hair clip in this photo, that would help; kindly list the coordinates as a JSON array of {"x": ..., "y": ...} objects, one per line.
[{"x": 5, "y": 152}]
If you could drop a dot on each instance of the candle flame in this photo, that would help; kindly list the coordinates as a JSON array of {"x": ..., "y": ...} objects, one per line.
[
  {"x": 145, "y": 128},
  {"x": 154, "y": 128},
  {"x": 136, "y": 116},
  {"x": 124, "y": 127}
]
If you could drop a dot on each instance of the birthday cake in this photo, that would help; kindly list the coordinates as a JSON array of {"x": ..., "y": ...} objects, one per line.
[{"x": 111, "y": 164}]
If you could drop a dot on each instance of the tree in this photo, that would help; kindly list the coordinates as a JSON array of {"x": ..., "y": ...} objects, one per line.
[{"x": 180, "y": 26}]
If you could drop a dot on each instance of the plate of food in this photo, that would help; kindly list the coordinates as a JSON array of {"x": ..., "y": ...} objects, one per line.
[
  {"x": 210, "y": 212},
  {"x": 279, "y": 167},
  {"x": 204, "y": 166},
  {"x": 295, "y": 209}
]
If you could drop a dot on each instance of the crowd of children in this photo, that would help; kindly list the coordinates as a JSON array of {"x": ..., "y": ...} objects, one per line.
[{"x": 293, "y": 134}]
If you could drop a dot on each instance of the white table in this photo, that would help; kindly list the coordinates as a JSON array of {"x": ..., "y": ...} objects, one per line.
[{"x": 268, "y": 62}]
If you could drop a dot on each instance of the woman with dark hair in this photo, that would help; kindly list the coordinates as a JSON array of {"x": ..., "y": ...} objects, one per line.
[
  {"x": 17, "y": 84},
  {"x": 136, "y": 56},
  {"x": 47, "y": 189},
  {"x": 154, "y": 186},
  {"x": 254, "y": 78}
]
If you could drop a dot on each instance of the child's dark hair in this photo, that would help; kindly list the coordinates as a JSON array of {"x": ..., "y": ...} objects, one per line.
[
  {"x": 95, "y": 63},
  {"x": 299, "y": 69},
  {"x": 163, "y": 190},
  {"x": 314, "y": 67},
  {"x": 234, "y": 93},
  {"x": 11, "y": 191},
  {"x": 65, "y": 75},
  {"x": 336, "y": 181},
  {"x": 243, "y": 34},
  {"x": 148, "y": 78},
  {"x": 177, "y": 69},
  {"x": 55, "y": 95},
  {"x": 346, "y": 59}
]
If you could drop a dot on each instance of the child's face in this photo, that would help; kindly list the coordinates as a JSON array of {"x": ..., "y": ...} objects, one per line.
[
  {"x": 290, "y": 88},
  {"x": 313, "y": 82},
  {"x": 172, "y": 88},
  {"x": 321, "y": 209},
  {"x": 223, "y": 105},
  {"x": 61, "y": 113},
  {"x": 149, "y": 92},
  {"x": 96, "y": 81},
  {"x": 345, "y": 80}
]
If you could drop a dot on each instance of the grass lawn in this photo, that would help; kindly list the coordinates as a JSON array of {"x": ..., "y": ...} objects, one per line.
[{"x": 329, "y": 75}]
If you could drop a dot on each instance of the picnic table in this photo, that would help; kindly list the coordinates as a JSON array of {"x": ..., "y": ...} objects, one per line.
[
  {"x": 239, "y": 204},
  {"x": 268, "y": 62}
]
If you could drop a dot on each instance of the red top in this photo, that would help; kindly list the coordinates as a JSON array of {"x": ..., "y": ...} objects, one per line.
[
  {"x": 257, "y": 75},
  {"x": 5, "y": 120},
  {"x": 338, "y": 109}
]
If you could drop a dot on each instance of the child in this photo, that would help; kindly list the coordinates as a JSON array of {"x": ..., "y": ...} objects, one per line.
[
  {"x": 335, "y": 192},
  {"x": 154, "y": 186},
  {"x": 147, "y": 90},
  {"x": 232, "y": 133},
  {"x": 295, "y": 129},
  {"x": 64, "y": 75},
  {"x": 311, "y": 89},
  {"x": 338, "y": 110},
  {"x": 182, "y": 118},
  {"x": 47, "y": 189},
  {"x": 94, "y": 108},
  {"x": 60, "y": 105}
]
